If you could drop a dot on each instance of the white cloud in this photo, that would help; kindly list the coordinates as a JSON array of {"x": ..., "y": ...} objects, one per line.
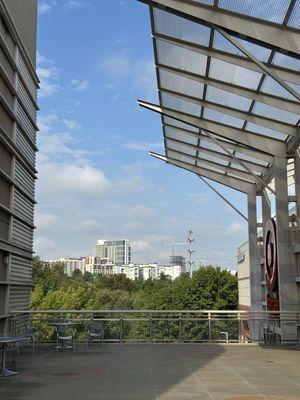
[
  {"x": 71, "y": 124},
  {"x": 235, "y": 228},
  {"x": 141, "y": 211},
  {"x": 45, "y": 122},
  {"x": 80, "y": 85},
  {"x": 76, "y": 5},
  {"x": 48, "y": 75},
  {"x": 143, "y": 146},
  {"x": 140, "y": 245},
  {"x": 140, "y": 73},
  {"x": 72, "y": 180},
  {"x": 45, "y": 220},
  {"x": 44, "y": 8}
]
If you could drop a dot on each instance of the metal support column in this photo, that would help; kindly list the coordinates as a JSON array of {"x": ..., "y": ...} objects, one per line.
[
  {"x": 287, "y": 267},
  {"x": 266, "y": 214},
  {"x": 254, "y": 267},
  {"x": 297, "y": 186}
]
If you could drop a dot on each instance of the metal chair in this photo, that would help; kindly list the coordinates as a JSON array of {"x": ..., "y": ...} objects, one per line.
[
  {"x": 64, "y": 333},
  {"x": 28, "y": 331},
  {"x": 95, "y": 331}
]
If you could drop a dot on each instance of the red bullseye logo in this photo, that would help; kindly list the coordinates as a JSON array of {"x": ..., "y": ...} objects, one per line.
[{"x": 270, "y": 252}]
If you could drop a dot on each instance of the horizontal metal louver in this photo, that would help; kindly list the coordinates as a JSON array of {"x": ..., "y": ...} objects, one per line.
[
  {"x": 27, "y": 102},
  {"x": 24, "y": 179},
  {"x": 19, "y": 297},
  {"x": 20, "y": 271},
  {"x": 6, "y": 66},
  {"x": 21, "y": 234},
  {"x": 27, "y": 77},
  {"x": 7, "y": 39},
  {"x": 23, "y": 206},
  {"x": 25, "y": 147},
  {"x": 25, "y": 123}
]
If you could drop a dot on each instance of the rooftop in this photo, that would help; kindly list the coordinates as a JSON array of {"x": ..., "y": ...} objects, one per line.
[{"x": 157, "y": 372}]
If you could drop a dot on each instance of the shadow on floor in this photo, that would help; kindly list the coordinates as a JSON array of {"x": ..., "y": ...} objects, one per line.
[{"x": 157, "y": 372}]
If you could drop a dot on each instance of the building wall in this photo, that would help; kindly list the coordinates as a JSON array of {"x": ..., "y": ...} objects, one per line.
[
  {"x": 18, "y": 91},
  {"x": 243, "y": 276}
]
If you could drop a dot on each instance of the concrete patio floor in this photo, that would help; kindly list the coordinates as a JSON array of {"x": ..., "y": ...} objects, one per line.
[{"x": 157, "y": 372}]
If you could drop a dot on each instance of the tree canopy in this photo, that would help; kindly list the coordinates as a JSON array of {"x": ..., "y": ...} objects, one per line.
[{"x": 209, "y": 288}]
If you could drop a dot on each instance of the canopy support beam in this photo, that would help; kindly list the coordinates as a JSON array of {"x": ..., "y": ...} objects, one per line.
[
  {"x": 223, "y": 198},
  {"x": 241, "y": 163},
  {"x": 234, "y": 183},
  {"x": 270, "y": 145}
]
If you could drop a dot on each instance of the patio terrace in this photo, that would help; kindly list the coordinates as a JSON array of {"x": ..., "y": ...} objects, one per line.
[{"x": 156, "y": 372}]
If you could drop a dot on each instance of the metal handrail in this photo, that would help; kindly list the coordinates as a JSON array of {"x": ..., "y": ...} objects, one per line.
[
  {"x": 211, "y": 325},
  {"x": 241, "y": 312}
]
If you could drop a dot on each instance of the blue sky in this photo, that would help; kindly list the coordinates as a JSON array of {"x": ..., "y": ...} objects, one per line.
[{"x": 96, "y": 179}]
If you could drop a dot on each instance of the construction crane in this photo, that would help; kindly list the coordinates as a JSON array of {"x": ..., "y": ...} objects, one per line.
[{"x": 173, "y": 244}]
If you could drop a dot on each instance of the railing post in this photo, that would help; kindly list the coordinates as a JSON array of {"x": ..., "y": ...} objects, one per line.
[
  {"x": 209, "y": 327},
  {"x": 121, "y": 330},
  {"x": 150, "y": 328},
  {"x": 180, "y": 328},
  {"x": 239, "y": 327}
]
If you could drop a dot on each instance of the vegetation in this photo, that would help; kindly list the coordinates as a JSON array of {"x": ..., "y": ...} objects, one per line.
[{"x": 209, "y": 288}]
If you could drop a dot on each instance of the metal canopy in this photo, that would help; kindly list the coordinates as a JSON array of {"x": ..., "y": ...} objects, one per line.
[{"x": 229, "y": 86}]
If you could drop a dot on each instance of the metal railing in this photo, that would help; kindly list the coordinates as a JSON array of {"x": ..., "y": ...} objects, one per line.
[{"x": 157, "y": 326}]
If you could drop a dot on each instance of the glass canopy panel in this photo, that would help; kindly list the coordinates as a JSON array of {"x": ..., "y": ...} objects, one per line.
[
  {"x": 209, "y": 2},
  {"x": 270, "y": 10},
  {"x": 275, "y": 113},
  {"x": 265, "y": 131},
  {"x": 272, "y": 87},
  {"x": 179, "y": 124},
  {"x": 227, "y": 99},
  {"x": 259, "y": 52},
  {"x": 180, "y": 157},
  {"x": 187, "y": 107},
  {"x": 180, "y": 28},
  {"x": 211, "y": 168},
  {"x": 171, "y": 145},
  {"x": 245, "y": 157},
  {"x": 286, "y": 61},
  {"x": 178, "y": 57},
  {"x": 217, "y": 160},
  {"x": 179, "y": 135},
  {"x": 295, "y": 16},
  {"x": 211, "y": 146},
  {"x": 180, "y": 84},
  {"x": 227, "y": 72},
  {"x": 217, "y": 116},
  {"x": 221, "y": 43}
]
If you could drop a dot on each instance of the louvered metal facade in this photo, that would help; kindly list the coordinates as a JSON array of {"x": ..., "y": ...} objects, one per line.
[{"x": 18, "y": 108}]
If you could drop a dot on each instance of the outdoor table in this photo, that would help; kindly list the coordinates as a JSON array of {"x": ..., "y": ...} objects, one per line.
[
  {"x": 5, "y": 340},
  {"x": 64, "y": 324}
]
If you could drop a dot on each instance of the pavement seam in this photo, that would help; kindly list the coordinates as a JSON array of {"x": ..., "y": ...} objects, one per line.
[
  {"x": 109, "y": 370},
  {"x": 275, "y": 372},
  {"x": 195, "y": 377},
  {"x": 151, "y": 374},
  {"x": 244, "y": 380}
]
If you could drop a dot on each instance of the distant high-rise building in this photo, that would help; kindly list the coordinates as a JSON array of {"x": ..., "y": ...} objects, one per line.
[
  {"x": 99, "y": 249},
  {"x": 117, "y": 252}
]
